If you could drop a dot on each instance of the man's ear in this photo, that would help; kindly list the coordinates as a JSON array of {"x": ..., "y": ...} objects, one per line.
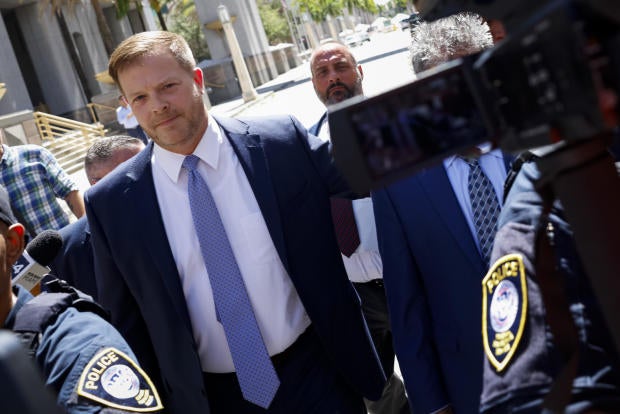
[
  {"x": 199, "y": 77},
  {"x": 359, "y": 69},
  {"x": 15, "y": 242}
]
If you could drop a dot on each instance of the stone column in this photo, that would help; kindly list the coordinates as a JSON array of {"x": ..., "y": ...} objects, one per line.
[
  {"x": 314, "y": 43},
  {"x": 250, "y": 33},
  {"x": 333, "y": 32},
  {"x": 247, "y": 89},
  {"x": 147, "y": 15}
]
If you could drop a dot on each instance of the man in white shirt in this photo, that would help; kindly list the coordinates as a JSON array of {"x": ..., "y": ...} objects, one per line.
[
  {"x": 126, "y": 118},
  {"x": 201, "y": 249},
  {"x": 336, "y": 76}
]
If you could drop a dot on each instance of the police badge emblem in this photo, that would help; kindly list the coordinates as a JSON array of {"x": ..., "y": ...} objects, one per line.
[
  {"x": 113, "y": 379},
  {"x": 504, "y": 309}
]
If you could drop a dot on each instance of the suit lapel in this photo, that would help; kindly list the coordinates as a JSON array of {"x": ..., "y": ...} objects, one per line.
[
  {"x": 449, "y": 209},
  {"x": 248, "y": 148},
  {"x": 141, "y": 198}
]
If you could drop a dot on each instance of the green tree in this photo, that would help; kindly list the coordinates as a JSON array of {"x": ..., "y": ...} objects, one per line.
[
  {"x": 319, "y": 9},
  {"x": 366, "y": 5},
  {"x": 274, "y": 23},
  {"x": 184, "y": 21},
  {"x": 401, "y": 5}
]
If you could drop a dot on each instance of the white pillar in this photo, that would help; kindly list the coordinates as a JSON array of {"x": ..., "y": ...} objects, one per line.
[
  {"x": 332, "y": 28},
  {"x": 314, "y": 43},
  {"x": 148, "y": 15},
  {"x": 245, "y": 82}
]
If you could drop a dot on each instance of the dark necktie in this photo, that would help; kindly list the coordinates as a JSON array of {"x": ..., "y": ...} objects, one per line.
[
  {"x": 257, "y": 377},
  {"x": 344, "y": 224},
  {"x": 485, "y": 207}
]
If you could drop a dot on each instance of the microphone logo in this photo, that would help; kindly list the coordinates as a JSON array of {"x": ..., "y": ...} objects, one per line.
[
  {"x": 27, "y": 272},
  {"x": 19, "y": 265}
]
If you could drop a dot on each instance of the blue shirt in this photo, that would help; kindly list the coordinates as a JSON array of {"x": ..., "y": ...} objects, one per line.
[{"x": 34, "y": 181}]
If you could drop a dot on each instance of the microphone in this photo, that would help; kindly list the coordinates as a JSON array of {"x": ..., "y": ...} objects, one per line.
[{"x": 30, "y": 268}]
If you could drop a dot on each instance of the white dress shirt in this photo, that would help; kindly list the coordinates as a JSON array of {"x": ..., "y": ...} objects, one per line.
[
  {"x": 492, "y": 163},
  {"x": 280, "y": 314},
  {"x": 123, "y": 118},
  {"x": 364, "y": 264}
]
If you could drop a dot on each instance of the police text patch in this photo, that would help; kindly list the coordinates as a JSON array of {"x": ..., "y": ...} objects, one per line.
[
  {"x": 113, "y": 379},
  {"x": 504, "y": 309}
]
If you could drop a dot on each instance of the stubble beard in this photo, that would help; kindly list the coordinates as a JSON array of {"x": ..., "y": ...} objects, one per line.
[
  {"x": 343, "y": 95},
  {"x": 194, "y": 127}
]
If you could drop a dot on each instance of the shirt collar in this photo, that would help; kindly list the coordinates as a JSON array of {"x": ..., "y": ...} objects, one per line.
[
  {"x": 208, "y": 150},
  {"x": 497, "y": 153},
  {"x": 7, "y": 154}
]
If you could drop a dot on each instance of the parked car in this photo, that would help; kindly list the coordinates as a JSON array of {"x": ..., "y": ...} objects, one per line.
[
  {"x": 362, "y": 27},
  {"x": 383, "y": 24},
  {"x": 409, "y": 22},
  {"x": 399, "y": 19},
  {"x": 352, "y": 39}
]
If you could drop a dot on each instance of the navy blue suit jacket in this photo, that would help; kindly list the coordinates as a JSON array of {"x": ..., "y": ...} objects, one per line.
[
  {"x": 292, "y": 176},
  {"x": 432, "y": 271},
  {"x": 74, "y": 263}
]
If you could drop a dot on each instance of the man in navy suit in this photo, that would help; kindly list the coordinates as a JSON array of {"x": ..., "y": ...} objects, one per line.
[
  {"x": 270, "y": 183},
  {"x": 432, "y": 261},
  {"x": 75, "y": 261}
]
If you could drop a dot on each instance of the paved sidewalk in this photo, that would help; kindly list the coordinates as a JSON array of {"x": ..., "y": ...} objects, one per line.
[{"x": 285, "y": 80}]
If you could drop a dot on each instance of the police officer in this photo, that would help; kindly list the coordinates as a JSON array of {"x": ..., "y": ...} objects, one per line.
[
  {"x": 84, "y": 360},
  {"x": 530, "y": 343}
]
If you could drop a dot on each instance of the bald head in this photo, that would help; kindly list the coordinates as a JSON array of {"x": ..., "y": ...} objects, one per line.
[{"x": 336, "y": 76}]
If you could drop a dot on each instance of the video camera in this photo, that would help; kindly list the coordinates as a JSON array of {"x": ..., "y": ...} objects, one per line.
[
  {"x": 541, "y": 85},
  {"x": 551, "y": 85}
]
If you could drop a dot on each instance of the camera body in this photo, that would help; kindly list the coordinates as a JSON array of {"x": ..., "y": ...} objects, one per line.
[
  {"x": 552, "y": 86},
  {"x": 544, "y": 84}
]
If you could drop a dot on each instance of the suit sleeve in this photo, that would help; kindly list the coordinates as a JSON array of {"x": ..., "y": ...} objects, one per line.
[
  {"x": 323, "y": 161},
  {"x": 115, "y": 296},
  {"x": 70, "y": 347},
  {"x": 409, "y": 311}
]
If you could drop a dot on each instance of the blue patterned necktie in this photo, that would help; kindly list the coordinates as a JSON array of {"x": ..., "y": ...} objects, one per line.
[
  {"x": 255, "y": 372},
  {"x": 485, "y": 206}
]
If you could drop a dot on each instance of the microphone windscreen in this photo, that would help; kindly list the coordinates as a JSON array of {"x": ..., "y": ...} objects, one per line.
[{"x": 45, "y": 247}]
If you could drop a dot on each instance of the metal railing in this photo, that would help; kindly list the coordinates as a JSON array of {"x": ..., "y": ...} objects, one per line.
[
  {"x": 67, "y": 139},
  {"x": 95, "y": 109},
  {"x": 51, "y": 127}
]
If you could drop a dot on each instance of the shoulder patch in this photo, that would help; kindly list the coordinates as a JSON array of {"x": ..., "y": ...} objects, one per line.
[
  {"x": 504, "y": 309},
  {"x": 113, "y": 379}
]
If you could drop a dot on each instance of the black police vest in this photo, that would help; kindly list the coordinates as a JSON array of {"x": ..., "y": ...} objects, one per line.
[
  {"x": 43, "y": 310},
  {"x": 536, "y": 361}
]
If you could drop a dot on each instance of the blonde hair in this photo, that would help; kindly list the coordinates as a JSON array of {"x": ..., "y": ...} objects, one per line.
[{"x": 149, "y": 44}]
